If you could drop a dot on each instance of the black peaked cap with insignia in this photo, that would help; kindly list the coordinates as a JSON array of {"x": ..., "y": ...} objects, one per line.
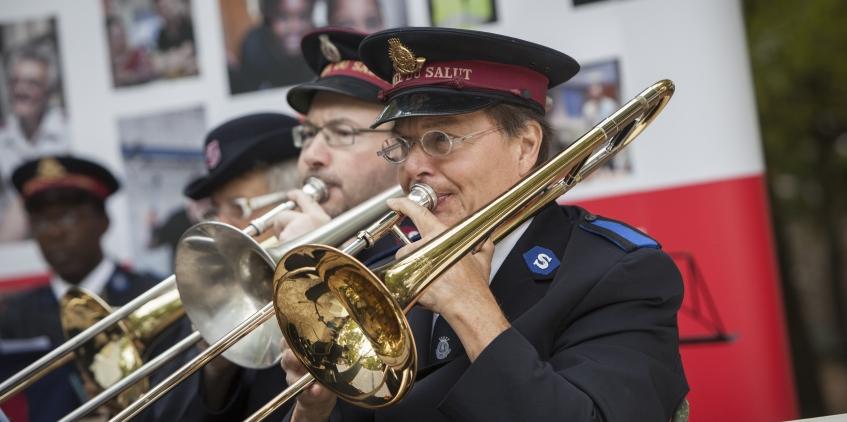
[
  {"x": 239, "y": 145},
  {"x": 333, "y": 54},
  {"x": 443, "y": 71},
  {"x": 63, "y": 172}
]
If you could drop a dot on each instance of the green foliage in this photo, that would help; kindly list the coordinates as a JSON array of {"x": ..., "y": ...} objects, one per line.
[{"x": 798, "y": 51}]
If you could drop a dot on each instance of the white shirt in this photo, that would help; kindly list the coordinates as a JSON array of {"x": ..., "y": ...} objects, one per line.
[
  {"x": 504, "y": 247},
  {"x": 95, "y": 282},
  {"x": 50, "y": 138}
]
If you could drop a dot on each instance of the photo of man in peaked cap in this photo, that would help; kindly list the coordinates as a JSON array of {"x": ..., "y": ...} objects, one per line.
[
  {"x": 572, "y": 316},
  {"x": 65, "y": 199}
]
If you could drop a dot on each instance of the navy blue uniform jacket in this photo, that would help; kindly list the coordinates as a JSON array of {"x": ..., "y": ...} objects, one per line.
[
  {"x": 35, "y": 314},
  {"x": 596, "y": 339}
]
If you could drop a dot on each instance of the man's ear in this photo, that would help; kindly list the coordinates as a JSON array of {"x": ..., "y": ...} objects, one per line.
[{"x": 529, "y": 142}]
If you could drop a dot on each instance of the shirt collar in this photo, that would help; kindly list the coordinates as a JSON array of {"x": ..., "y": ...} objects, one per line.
[{"x": 95, "y": 282}]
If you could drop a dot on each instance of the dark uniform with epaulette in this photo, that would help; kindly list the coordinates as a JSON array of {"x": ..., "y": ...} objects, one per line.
[
  {"x": 593, "y": 336},
  {"x": 591, "y": 301},
  {"x": 30, "y": 322}
]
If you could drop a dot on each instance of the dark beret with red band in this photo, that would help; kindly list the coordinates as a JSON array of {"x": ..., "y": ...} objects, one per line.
[
  {"x": 442, "y": 71},
  {"x": 333, "y": 54},
  {"x": 63, "y": 172}
]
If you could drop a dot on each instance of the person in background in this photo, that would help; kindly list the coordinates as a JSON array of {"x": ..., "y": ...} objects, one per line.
[
  {"x": 270, "y": 55},
  {"x": 337, "y": 147},
  {"x": 33, "y": 127},
  {"x": 175, "y": 52},
  {"x": 361, "y": 15},
  {"x": 247, "y": 157},
  {"x": 130, "y": 65},
  {"x": 33, "y": 123},
  {"x": 65, "y": 198}
]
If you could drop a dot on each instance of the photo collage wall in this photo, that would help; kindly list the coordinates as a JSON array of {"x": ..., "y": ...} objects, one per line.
[{"x": 151, "y": 44}]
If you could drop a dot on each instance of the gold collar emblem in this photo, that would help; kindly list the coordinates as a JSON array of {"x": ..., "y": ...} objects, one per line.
[
  {"x": 328, "y": 49},
  {"x": 405, "y": 62},
  {"x": 50, "y": 168}
]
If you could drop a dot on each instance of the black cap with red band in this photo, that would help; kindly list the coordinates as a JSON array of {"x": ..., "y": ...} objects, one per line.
[
  {"x": 333, "y": 55},
  {"x": 63, "y": 172},
  {"x": 442, "y": 71}
]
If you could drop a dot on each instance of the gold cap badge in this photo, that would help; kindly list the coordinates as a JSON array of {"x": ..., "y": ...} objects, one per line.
[
  {"x": 328, "y": 49},
  {"x": 404, "y": 60},
  {"x": 50, "y": 168}
]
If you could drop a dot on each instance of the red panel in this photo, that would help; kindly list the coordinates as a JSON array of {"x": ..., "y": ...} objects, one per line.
[
  {"x": 11, "y": 285},
  {"x": 16, "y": 408},
  {"x": 723, "y": 229}
]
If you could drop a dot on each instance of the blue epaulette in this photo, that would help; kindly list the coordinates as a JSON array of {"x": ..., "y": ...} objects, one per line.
[{"x": 622, "y": 235}]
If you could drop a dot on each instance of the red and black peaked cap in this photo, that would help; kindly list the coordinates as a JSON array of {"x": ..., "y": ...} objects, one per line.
[
  {"x": 64, "y": 172},
  {"x": 443, "y": 71},
  {"x": 333, "y": 54}
]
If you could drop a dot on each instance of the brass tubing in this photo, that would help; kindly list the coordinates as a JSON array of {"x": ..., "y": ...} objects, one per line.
[
  {"x": 57, "y": 357},
  {"x": 132, "y": 378},
  {"x": 375, "y": 306},
  {"x": 421, "y": 194}
]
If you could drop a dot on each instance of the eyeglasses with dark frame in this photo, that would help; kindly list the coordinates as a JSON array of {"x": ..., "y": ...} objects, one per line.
[
  {"x": 337, "y": 133},
  {"x": 435, "y": 143}
]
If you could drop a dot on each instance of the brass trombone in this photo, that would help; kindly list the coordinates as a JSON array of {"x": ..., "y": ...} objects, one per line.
[
  {"x": 217, "y": 264},
  {"x": 354, "y": 337},
  {"x": 313, "y": 187},
  {"x": 202, "y": 250}
]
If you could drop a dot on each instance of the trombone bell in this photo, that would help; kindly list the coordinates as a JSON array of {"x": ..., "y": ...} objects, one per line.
[
  {"x": 324, "y": 336},
  {"x": 223, "y": 277},
  {"x": 109, "y": 356}
]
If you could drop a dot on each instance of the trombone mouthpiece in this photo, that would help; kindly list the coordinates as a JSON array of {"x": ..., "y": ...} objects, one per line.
[
  {"x": 423, "y": 195},
  {"x": 316, "y": 188}
]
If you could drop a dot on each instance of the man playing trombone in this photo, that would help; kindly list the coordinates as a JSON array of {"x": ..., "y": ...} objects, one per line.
[
  {"x": 65, "y": 200},
  {"x": 249, "y": 162},
  {"x": 571, "y": 316},
  {"x": 337, "y": 147}
]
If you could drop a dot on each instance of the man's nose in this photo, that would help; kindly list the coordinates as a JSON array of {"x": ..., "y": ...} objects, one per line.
[
  {"x": 418, "y": 164},
  {"x": 317, "y": 154}
]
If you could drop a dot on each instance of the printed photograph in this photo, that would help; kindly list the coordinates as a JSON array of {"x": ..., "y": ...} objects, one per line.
[
  {"x": 582, "y": 102},
  {"x": 462, "y": 14},
  {"x": 149, "y": 40},
  {"x": 33, "y": 119},
  {"x": 262, "y": 37},
  {"x": 162, "y": 152}
]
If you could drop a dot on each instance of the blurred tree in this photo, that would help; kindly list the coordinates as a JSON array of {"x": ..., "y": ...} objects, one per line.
[{"x": 799, "y": 65}]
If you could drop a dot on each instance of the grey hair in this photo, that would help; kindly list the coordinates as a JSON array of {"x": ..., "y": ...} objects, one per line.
[
  {"x": 513, "y": 119},
  {"x": 282, "y": 176}
]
